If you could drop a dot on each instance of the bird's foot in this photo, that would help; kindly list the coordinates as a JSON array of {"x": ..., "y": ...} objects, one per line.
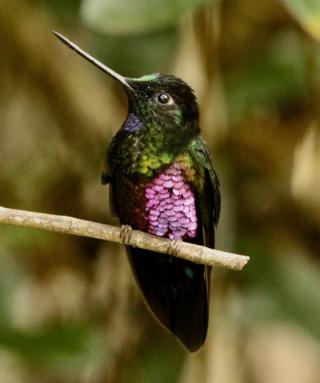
[
  {"x": 173, "y": 248},
  {"x": 125, "y": 234}
]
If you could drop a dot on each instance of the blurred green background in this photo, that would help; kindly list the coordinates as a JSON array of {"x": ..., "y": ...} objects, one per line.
[{"x": 70, "y": 311}]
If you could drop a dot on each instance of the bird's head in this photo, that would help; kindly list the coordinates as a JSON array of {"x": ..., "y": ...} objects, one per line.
[{"x": 159, "y": 99}]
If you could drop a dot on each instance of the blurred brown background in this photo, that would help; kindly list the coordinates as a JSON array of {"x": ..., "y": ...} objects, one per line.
[{"x": 69, "y": 310}]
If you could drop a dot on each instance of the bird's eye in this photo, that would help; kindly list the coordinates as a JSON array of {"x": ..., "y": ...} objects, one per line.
[{"x": 164, "y": 98}]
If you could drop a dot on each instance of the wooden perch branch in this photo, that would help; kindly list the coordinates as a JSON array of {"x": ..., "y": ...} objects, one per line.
[{"x": 80, "y": 227}]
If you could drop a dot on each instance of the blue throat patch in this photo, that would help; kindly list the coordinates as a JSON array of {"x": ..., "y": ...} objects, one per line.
[{"x": 132, "y": 124}]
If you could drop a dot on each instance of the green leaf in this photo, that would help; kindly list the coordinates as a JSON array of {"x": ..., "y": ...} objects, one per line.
[
  {"x": 134, "y": 16},
  {"x": 307, "y": 12}
]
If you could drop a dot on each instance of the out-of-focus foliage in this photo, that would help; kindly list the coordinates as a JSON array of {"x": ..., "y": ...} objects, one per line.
[
  {"x": 69, "y": 309},
  {"x": 274, "y": 77},
  {"x": 127, "y": 49},
  {"x": 56, "y": 347},
  {"x": 305, "y": 186},
  {"x": 138, "y": 16},
  {"x": 307, "y": 13}
]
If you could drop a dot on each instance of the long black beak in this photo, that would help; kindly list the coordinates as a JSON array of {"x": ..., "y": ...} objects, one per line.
[{"x": 94, "y": 61}]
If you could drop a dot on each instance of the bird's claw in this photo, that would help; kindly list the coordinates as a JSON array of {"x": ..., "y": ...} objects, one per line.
[
  {"x": 125, "y": 234},
  {"x": 173, "y": 248}
]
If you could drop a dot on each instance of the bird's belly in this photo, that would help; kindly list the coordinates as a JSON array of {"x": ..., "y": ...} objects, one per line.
[{"x": 164, "y": 206}]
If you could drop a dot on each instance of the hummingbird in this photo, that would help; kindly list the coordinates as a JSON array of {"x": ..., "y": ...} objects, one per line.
[{"x": 162, "y": 182}]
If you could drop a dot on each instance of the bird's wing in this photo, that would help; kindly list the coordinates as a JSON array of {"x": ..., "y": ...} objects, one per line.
[{"x": 209, "y": 193}]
